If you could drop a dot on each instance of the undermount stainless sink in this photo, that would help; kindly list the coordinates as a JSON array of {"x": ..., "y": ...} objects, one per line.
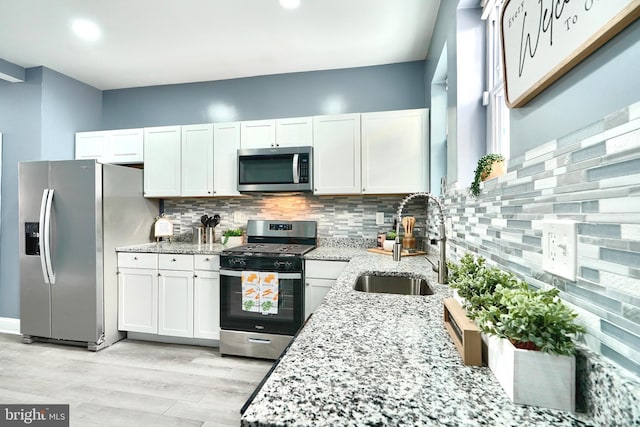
[{"x": 404, "y": 285}]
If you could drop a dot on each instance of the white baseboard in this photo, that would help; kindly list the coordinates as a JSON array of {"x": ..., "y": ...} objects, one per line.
[{"x": 9, "y": 325}]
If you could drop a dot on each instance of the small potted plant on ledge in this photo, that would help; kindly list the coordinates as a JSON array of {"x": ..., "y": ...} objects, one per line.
[
  {"x": 232, "y": 237},
  {"x": 489, "y": 166},
  {"x": 529, "y": 334},
  {"x": 390, "y": 237}
]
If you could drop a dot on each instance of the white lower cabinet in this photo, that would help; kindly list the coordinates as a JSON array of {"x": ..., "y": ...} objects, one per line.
[
  {"x": 320, "y": 276},
  {"x": 138, "y": 300},
  {"x": 206, "y": 314},
  {"x": 169, "y": 294},
  {"x": 175, "y": 303}
]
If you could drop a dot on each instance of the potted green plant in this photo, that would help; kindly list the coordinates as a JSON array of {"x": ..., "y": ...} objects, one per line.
[
  {"x": 529, "y": 333},
  {"x": 390, "y": 239},
  {"x": 232, "y": 237},
  {"x": 483, "y": 171}
]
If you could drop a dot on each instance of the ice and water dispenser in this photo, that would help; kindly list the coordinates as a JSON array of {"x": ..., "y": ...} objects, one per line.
[{"x": 32, "y": 238}]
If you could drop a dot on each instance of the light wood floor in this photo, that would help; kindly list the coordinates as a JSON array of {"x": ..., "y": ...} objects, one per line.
[{"x": 132, "y": 383}]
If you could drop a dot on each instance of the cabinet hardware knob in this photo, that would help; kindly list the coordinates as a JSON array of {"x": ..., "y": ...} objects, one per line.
[
  {"x": 207, "y": 259},
  {"x": 195, "y": 275},
  {"x": 135, "y": 258},
  {"x": 307, "y": 283},
  {"x": 159, "y": 274},
  {"x": 173, "y": 260}
]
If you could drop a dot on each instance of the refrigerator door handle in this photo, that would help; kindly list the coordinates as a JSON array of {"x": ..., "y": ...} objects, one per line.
[
  {"x": 43, "y": 262},
  {"x": 47, "y": 238}
]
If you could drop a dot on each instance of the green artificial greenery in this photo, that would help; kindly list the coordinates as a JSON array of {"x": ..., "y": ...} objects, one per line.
[
  {"x": 391, "y": 235},
  {"x": 531, "y": 320},
  {"x": 506, "y": 307},
  {"x": 231, "y": 232},
  {"x": 482, "y": 170}
]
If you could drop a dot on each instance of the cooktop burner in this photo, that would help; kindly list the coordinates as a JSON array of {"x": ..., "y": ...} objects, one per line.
[{"x": 269, "y": 249}]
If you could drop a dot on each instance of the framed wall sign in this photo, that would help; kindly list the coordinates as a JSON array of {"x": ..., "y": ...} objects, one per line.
[{"x": 543, "y": 39}]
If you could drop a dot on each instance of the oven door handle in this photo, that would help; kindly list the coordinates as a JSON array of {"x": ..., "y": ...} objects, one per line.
[{"x": 237, "y": 273}]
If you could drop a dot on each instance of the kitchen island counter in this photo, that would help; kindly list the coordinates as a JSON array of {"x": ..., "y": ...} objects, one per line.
[{"x": 387, "y": 360}]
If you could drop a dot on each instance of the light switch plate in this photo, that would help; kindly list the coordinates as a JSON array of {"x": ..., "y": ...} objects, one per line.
[
  {"x": 379, "y": 218},
  {"x": 559, "y": 248}
]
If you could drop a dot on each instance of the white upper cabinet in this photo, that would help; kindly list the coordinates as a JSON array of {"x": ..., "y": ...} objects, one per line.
[
  {"x": 294, "y": 132},
  {"x": 336, "y": 154},
  {"x": 258, "y": 134},
  {"x": 291, "y": 132},
  {"x": 226, "y": 141},
  {"x": 395, "y": 152},
  {"x": 162, "y": 162},
  {"x": 124, "y": 146},
  {"x": 197, "y": 160}
]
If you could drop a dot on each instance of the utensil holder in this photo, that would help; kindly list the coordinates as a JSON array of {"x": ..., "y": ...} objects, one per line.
[
  {"x": 198, "y": 235},
  {"x": 210, "y": 235}
]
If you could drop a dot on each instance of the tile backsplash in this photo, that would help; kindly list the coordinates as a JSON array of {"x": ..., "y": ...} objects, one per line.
[
  {"x": 592, "y": 177},
  {"x": 352, "y": 217}
]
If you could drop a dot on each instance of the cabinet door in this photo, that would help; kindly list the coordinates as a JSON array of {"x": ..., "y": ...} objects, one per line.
[
  {"x": 294, "y": 132},
  {"x": 258, "y": 134},
  {"x": 162, "y": 162},
  {"x": 314, "y": 292},
  {"x": 125, "y": 146},
  {"x": 226, "y": 141},
  {"x": 206, "y": 302},
  {"x": 395, "y": 152},
  {"x": 138, "y": 300},
  {"x": 91, "y": 145},
  {"x": 175, "y": 303},
  {"x": 197, "y": 160},
  {"x": 336, "y": 154}
]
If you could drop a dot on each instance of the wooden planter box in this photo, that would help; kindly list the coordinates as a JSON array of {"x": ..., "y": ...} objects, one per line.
[
  {"x": 533, "y": 377},
  {"x": 464, "y": 333}
]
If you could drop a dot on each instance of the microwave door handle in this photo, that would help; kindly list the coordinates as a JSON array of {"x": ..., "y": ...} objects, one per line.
[{"x": 296, "y": 169}]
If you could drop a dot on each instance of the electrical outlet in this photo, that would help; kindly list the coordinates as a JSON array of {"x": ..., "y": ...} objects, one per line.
[
  {"x": 238, "y": 217},
  {"x": 379, "y": 218},
  {"x": 559, "y": 248}
]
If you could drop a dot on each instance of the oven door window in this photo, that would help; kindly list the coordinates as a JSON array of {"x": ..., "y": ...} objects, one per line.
[
  {"x": 290, "y": 305},
  {"x": 275, "y": 169}
]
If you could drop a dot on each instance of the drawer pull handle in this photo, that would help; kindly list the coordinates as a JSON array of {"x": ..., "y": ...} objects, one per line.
[{"x": 258, "y": 341}]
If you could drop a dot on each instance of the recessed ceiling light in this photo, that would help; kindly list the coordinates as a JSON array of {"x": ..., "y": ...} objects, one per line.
[
  {"x": 290, "y": 4},
  {"x": 85, "y": 29}
]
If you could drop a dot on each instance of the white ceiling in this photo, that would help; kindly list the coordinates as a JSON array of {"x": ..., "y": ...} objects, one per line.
[{"x": 156, "y": 42}]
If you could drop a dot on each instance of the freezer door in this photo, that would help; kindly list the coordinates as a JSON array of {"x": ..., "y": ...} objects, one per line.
[
  {"x": 35, "y": 309},
  {"x": 76, "y": 250}
]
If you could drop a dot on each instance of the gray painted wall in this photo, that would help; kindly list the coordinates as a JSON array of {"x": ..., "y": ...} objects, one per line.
[
  {"x": 378, "y": 88},
  {"x": 37, "y": 119},
  {"x": 603, "y": 83}
]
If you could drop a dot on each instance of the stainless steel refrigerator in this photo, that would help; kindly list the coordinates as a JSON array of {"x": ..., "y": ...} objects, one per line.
[{"x": 73, "y": 214}]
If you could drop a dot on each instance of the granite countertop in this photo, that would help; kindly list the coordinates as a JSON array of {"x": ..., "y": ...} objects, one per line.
[
  {"x": 320, "y": 253},
  {"x": 386, "y": 360},
  {"x": 174, "y": 248}
]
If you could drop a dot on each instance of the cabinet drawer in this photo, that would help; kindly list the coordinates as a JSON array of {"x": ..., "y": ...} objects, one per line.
[
  {"x": 175, "y": 262},
  {"x": 137, "y": 260},
  {"x": 324, "y": 269},
  {"x": 206, "y": 262}
]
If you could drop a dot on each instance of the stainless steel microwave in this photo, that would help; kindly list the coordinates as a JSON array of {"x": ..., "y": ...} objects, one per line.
[{"x": 275, "y": 169}]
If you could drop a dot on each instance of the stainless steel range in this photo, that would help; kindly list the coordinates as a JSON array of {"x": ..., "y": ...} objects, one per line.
[{"x": 262, "y": 288}]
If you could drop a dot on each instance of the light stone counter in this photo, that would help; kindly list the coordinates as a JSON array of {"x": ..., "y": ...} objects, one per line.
[
  {"x": 385, "y": 360},
  {"x": 174, "y": 248}
]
